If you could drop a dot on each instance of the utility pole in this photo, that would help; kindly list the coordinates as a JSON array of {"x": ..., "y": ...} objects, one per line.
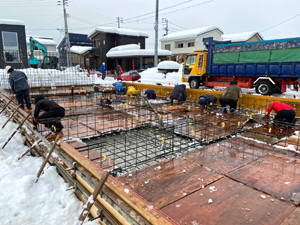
[
  {"x": 156, "y": 36},
  {"x": 119, "y": 20},
  {"x": 69, "y": 61},
  {"x": 166, "y": 22}
]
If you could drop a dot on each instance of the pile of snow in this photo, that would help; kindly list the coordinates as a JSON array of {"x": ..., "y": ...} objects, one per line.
[
  {"x": 22, "y": 201},
  {"x": 168, "y": 65}
]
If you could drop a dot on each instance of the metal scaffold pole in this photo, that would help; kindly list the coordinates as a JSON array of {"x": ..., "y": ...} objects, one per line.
[
  {"x": 69, "y": 62},
  {"x": 156, "y": 36}
]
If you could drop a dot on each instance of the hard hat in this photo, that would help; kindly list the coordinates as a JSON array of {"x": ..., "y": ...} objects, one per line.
[{"x": 7, "y": 68}]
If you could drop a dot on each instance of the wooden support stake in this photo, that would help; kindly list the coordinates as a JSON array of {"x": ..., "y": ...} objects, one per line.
[
  {"x": 7, "y": 104},
  {"x": 32, "y": 147},
  {"x": 91, "y": 202},
  {"x": 15, "y": 131},
  {"x": 48, "y": 157},
  {"x": 11, "y": 116}
]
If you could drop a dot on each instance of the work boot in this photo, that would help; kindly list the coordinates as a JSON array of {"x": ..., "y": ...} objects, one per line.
[{"x": 224, "y": 109}]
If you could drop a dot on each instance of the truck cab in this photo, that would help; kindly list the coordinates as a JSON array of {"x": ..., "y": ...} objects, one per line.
[{"x": 194, "y": 68}]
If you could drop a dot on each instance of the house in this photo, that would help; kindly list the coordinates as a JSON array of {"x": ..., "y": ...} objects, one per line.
[
  {"x": 183, "y": 42},
  {"x": 243, "y": 37},
  {"x": 13, "y": 44},
  {"x": 80, "y": 55},
  {"x": 75, "y": 40},
  {"x": 131, "y": 56},
  {"x": 105, "y": 38},
  {"x": 47, "y": 42}
]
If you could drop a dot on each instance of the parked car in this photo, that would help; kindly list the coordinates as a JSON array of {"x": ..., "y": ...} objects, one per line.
[{"x": 129, "y": 76}]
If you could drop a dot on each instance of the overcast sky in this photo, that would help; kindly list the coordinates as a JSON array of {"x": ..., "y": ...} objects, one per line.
[{"x": 272, "y": 18}]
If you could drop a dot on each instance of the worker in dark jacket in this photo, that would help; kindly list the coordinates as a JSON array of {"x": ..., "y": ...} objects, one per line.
[
  {"x": 150, "y": 94},
  {"x": 178, "y": 93},
  {"x": 51, "y": 116},
  {"x": 230, "y": 96},
  {"x": 285, "y": 114},
  {"x": 207, "y": 100},
  {"x": 19, "y": 85}
]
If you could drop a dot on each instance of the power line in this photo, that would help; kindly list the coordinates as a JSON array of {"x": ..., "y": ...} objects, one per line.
[
  {"x": 280, "y": 23},
  {"x": 178, "y": 25},
  {"x": 45, "y": 26}
]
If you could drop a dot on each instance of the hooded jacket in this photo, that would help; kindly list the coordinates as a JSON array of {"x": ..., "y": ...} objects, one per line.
[
  {"x": 233, "y": 92},
  {"x": 45, "y": 105},
  {"x": 179, "y": 93},
  {"x": 150, "y": 94},
  {"x": 18, "y": 81},
  {"x": 277, "y": 106},
  {"x": 207, "y": 99}
]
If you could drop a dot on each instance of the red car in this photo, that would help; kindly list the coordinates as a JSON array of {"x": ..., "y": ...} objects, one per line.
[{"x": 129, "y": 76}]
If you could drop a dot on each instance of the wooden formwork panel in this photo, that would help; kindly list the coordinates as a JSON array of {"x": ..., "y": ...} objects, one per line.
[
  {"x": 231, "y": 203},
  {"x": 293, "y": 219},
  {"x": 227, "y": 155},
  {"x": 277, "y": 175},
  {"x": 168, "y": 181}
]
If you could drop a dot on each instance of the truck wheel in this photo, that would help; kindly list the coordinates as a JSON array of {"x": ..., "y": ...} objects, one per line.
[
  {"x": 194, "y": 83},
  {"x": 264, "y": 88}
]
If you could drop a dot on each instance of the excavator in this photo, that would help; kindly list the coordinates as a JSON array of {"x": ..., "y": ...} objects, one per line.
[{"x": 49, "y": 62}]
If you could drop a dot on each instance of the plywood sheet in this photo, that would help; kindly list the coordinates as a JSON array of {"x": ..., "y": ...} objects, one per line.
[
  {"x": 231, "y": 203},
  {"x": 277, "y": 175},
  {"x": 75, "y": 104},
  {"x": 168, "y": 181},
  {"x": 293, "y": 219}
]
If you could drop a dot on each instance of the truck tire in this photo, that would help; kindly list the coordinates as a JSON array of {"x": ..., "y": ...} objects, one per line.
[
  {"x": 264, "y": 88},
  {"x": 194, "y": 83}
]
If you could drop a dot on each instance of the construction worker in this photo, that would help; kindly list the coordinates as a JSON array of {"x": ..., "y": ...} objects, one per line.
[
  {"x": 230, "y": 96},
  {"x": 52, "y": 115},
  {"x": 179, "y": 94},
  {"x": 285, "y": 114},
  {"x": 207, "y": 100},
  {"x": 19, "y": 85},
  {"x": 150, "y": 94}
]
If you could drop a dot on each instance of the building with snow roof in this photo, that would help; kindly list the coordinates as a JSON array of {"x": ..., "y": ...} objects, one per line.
[
  {"x": 105, "y": 38},
  {"x": 131, "y": 56},
  {"x": 243, "y": 37},
  {"x": 80, "y": 55},
  {"x": 13, "y": 44},
  {"x": 183, "y": 42}
]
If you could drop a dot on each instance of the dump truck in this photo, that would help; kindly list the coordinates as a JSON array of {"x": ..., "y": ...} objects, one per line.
[{"x": 266, "y": 65}]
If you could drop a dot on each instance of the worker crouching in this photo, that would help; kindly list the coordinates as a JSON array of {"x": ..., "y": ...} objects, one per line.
[
  {"x": 206, "y": 101},
  {"x": 179, "y": 94},
  {"x": 285, "y": 114},
  {"x": 52, "y": 113},
  {"x": 230, "y": 96}
]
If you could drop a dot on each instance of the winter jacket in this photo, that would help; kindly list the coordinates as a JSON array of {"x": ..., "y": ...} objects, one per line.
[
  {"x": 45, "y": 105},
  {"x": 119, "y": 87},
  {"x": 233, "y": 92},
  {"x": 179, "y": 93},
  {"x": 18, "y": 81},
  {"x": 132, "y": 91},
  {"x": 207, "y": 99},
  {"x": 102, "y": 69},
  {"x": 150, "y": 94},
  {"x": 277, "y": 106}
]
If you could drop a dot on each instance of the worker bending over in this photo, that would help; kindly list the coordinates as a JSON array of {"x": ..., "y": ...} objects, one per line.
[
  {"x": 150, "y": 94},
  {"x": 285, "y": 114},
  {"x": 230, "y": 96},
  {"x": 52, "y": 113},
  {"x": 207, "y": 100},
  {"x": 179, "y": 94}
]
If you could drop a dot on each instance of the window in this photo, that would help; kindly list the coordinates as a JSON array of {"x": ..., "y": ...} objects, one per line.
[
  {"x": 168, "y": 47},
  {"x": 180, "y": 45},
  {"x": 200, "y": 61},
  {"x": 11, "y": 47},
  {"x": 191, "y": 60},
  {"x": 191, "y": 44}
]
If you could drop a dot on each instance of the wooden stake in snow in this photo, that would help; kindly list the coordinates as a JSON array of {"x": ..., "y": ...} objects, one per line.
[
  {"x": 87, "y": 207},
  {"x": 32, "y": 147},
  {"x": 11, "y": 116},
  {"x": 15, "y": 131},
  {"x": 48, "y": 157},
  {"x": 7, "y": 104}
]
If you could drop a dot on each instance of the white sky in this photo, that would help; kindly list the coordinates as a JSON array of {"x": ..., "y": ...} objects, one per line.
[{"x": 43, "y": 17}]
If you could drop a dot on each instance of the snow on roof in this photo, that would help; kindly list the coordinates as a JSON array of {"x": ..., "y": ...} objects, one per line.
[
  {"x": 125, "y": 47},
  {"x": 120, "y": 31},
  {"x": 42, "y": 41},
  {"x": 80, "y": 49},
  {"x": 12, "y": 22},
  {"x": 136, "y": 53},
  {"x": 42, "y": 37},
  {"x": 189, "y": 33},
  {"x": 240, "y": 36},
  {"x": 168, "y": 65}
]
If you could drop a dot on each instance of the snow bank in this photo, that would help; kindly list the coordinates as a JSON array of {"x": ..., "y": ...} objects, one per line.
[{"x": 22, "y": 201}]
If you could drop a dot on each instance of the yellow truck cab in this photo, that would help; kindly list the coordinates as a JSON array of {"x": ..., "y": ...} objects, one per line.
[{"x": 194, "y": 65}]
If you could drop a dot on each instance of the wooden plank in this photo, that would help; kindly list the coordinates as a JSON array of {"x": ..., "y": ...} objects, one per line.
[
  {"x": 168, "y": 181},
  {"x": 293, "y": 219},
  {"x": 232, "y": 203},
  {"x": 277, "y": 175}
]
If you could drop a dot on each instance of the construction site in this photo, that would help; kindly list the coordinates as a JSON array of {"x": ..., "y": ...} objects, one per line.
[{"x": 150, "y": 162}]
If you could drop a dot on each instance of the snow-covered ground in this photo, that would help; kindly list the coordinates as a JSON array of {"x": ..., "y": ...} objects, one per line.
[{"x": 22, "y": 201}]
